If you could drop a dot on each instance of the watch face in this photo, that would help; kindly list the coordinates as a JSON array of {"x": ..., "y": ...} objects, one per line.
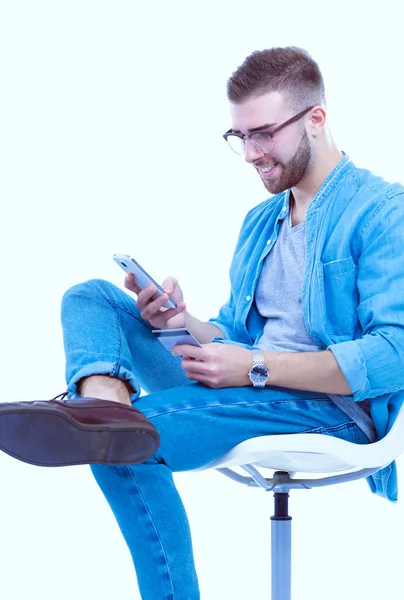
[{"x": 259, "y": 374}]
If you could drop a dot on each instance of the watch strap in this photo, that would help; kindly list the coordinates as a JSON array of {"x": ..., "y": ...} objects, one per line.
[{"x": 258, "y": 358}]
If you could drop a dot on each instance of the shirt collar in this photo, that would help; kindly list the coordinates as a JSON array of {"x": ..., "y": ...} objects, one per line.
[{"x": 324, "y": 191}]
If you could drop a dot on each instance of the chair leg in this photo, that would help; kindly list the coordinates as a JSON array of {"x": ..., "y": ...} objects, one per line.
[{"x": 281, "y": 555}]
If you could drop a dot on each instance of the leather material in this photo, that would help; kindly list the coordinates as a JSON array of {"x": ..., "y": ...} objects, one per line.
[
  {"x": 84, "y": 431},
  {"x": 90, "y": 411}
]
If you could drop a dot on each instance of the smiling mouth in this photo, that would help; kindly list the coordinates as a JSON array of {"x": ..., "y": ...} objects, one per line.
[{"x": 267, "y": 169}]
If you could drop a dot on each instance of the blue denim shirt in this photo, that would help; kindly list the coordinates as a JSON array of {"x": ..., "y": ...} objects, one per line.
[{"x": 353, "y": 287}]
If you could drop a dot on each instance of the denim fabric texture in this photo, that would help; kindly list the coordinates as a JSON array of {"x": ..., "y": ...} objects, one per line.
[
  {"x": 353, "y": 287},
  {"x": 104, "y": 334}
]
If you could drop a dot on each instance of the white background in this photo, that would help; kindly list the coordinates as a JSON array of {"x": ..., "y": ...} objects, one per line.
[{"x": 111, "y": 115}]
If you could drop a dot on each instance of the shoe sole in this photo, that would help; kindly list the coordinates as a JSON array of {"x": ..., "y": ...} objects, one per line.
[{"x": 49, "y": 438}]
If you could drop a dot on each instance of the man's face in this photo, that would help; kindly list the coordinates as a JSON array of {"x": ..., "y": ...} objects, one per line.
[{"x": 291, "y": 157}]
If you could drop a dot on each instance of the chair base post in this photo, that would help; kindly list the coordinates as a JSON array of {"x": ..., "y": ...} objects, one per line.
[{"x": 281, "y": 548}]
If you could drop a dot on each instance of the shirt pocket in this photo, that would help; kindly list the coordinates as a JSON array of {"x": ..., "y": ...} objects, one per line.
[{"x": 339, "y": 298}]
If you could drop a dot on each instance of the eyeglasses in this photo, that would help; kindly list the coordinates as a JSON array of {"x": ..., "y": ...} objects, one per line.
[{"x": 261, "y": 140}]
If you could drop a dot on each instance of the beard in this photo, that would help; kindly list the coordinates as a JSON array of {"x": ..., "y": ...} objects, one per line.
[{"x": 293, "y": 171}]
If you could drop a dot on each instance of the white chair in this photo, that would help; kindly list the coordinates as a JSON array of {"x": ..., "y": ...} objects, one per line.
[{"x": 304, "y": 453}]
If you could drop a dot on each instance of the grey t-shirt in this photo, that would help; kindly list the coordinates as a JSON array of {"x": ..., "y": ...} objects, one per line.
[
  {"x": 279, "y": 299},
  {"x": 279, "y": 293}
]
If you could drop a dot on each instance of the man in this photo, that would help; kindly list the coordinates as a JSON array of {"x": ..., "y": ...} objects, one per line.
[{"x": 311, "y": 339}]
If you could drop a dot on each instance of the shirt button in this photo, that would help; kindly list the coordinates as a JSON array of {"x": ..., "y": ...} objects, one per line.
[
  {"x": 248, "y": 298},
  {"x": 268, "y": 242},
  {"x": 283, "y": 209}
]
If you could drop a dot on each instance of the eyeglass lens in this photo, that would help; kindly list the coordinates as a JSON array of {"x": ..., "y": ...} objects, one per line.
[{"x": 260, "y": 140}]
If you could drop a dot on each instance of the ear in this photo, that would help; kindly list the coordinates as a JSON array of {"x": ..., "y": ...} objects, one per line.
[{"x": 318, "y": 117}]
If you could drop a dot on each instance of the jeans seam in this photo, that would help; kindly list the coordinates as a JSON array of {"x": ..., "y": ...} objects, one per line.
[
  {"x": 129, "y": 312},
  {"x": 302, "y": 400},
  {"x": 339, "y": 427},
  {"x": 155, "y": 530},
  {"x": 115, "y": 368},
  {"x": 205, "y": 406}
]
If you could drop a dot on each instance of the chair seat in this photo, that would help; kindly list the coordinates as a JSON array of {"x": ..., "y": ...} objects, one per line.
[
  {"x": 315, "y": 453},
  {"x": 331, "y": 459}
]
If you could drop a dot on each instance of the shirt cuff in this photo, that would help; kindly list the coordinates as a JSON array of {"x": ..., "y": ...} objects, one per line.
[{"x": 353, "y": 366}]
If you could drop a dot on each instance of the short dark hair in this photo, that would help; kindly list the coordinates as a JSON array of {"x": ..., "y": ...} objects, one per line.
[{"x": 289, "y": 70}]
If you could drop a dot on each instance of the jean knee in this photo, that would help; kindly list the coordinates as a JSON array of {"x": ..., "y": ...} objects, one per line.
[{"x": 93, "y": 288}]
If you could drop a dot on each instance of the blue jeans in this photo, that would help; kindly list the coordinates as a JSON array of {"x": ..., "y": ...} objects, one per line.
[{"x": 104, "y": 334}]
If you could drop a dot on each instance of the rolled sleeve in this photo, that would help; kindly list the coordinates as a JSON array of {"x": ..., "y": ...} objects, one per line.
[
  {"x": 225, "y": 320},
  {"x": 353, "y": 366},
  {"x": 373, "y": 364}
]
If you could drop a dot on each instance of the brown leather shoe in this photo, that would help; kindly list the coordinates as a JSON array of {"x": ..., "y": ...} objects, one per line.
[{"x": 56, "y": 433}]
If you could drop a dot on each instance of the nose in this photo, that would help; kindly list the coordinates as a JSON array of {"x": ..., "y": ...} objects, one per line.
[{"x": 251, "y": 153}]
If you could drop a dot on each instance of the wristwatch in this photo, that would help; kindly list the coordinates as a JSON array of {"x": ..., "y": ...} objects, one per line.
[{"x": 259, "y": 372}]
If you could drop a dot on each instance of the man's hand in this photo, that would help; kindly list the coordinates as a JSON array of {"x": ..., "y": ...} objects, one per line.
[
  {"x": 159, "y": 317},
  {"x": 153, "y": 310},
  {"x": 218, "y": 365}
]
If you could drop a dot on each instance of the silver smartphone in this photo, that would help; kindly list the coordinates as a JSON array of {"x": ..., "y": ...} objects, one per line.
[
  {"x": 142, "y": 278},
  {"x": 172, "y": 337}
]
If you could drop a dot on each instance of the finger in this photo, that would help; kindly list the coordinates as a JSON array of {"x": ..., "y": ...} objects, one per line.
[
  {"x": 145, "y": 297},
  {"x": 151, "y": 299},
  {"x": 188, "y": 350},
  {"x": 130, "y": 284},
  {"x": 169, "y": 284},
  {"x": 191, "y": 365},
  {"x": 156, "y": 309}
]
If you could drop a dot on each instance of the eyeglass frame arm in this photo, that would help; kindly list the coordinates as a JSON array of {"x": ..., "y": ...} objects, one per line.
[{"x": 272, "y": 133}]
